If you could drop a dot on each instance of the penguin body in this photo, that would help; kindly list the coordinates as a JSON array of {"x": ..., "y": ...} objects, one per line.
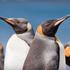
[
  {"x": 19, "y": 43},
  {"x": 1, "y": 57},
  {"x": 16, "y": 52},
  {"x": 40, "y": 57},
  {"x": 44, "y": 53}
]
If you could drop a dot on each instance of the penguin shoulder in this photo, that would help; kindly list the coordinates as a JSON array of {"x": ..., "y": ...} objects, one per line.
[{"x": 14, "y": 40}]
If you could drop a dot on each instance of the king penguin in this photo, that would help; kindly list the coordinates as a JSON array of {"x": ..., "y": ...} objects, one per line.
[
  {"x": 19, "y": 43},
  {"x": 44, "y": 53},
  {"x": 67, "y": 54},
  {"x": 1, "y": 57}
]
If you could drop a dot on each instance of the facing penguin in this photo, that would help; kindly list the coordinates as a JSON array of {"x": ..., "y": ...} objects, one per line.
[
  {"x": 19, "y": 43},
  {"x": 44, "y": 53}
]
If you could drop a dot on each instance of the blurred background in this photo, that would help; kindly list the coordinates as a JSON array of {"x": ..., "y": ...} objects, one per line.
[{"x": 36, "y": 11}]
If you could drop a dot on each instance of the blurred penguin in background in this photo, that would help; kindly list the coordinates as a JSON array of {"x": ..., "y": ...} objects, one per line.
[
  {"x": 67, "y": 53},
  {"x": 1, "y": 57}
]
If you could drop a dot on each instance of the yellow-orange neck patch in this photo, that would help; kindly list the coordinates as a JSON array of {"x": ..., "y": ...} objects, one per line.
[
  {"x": 40, "y": 30},
  {"x": 67, "y": 51}
]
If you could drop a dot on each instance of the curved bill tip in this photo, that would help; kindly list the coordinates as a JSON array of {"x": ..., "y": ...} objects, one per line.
[
  {"x": 2, "y": 18},
  {"x": 61, "y": 20},
  {"x": 7, "y": 20},
  {"x": 64, "y": 17},
  {"x": 67, "y": 16}
]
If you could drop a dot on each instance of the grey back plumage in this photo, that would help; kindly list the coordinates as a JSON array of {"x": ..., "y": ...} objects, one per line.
[{"x": 42, "y": 55}]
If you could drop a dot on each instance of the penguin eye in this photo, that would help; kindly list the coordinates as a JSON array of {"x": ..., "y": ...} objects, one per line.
[
  {"x": 47, "y": 25},
  {"x": 25, "y": 22},
  {"x": 17, "y": 22}
]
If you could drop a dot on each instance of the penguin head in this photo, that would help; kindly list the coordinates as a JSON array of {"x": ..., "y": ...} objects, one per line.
[
  {"x": 20, "y": 25},
  {"x": 67, "y": 54},
  {"x": 50, "y": 27}
]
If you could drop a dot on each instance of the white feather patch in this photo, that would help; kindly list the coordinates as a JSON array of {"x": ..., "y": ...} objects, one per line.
[
  {"x": 16, "y": 53},
  {"x": 29, "y": 26},
  {"x": 62, "y": 64}
]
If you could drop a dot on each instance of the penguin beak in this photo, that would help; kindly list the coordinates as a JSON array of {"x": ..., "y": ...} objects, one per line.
[
  {"x": 61, "y": 20},
  {"x": 8, "y": 20},
  {"x": 52, "y": 28}
]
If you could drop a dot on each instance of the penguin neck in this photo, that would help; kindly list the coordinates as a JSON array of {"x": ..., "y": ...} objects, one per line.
[
  {"x": 45, "y": 37},
  {"x": 27, "y": 36}
]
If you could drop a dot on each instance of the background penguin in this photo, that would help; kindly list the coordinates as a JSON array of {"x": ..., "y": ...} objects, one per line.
[
  {"x": 1, "y": 57},
  {"x": 44, "y": 53},
  {"x": 67, "y": 53},
  {"x": 19, "y": 43}
]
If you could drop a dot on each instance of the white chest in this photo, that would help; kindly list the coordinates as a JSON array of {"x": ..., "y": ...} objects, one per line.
[{"x": 16, "y": 52}]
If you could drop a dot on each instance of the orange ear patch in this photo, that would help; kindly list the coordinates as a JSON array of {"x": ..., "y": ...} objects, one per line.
[
  {"x": 39, "y": 29},
  {"x": 67, "y": 51}
]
